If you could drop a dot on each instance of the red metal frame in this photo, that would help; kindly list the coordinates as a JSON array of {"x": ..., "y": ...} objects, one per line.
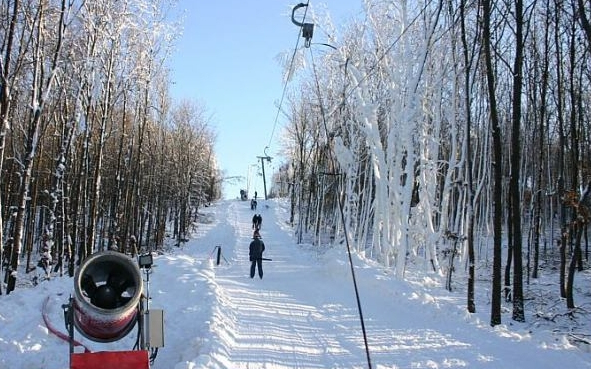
[{"x": 137, "y": 359}]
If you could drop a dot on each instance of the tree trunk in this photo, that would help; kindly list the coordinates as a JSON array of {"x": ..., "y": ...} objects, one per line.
[
  {"x": 39, "y": 93},
  {"x": 518, "y": 308},
  {"x": 509, "y": 263},
  {"x": 560, "y": 162},
  {"x": 19, "y": 225},
  {"x": 470, "y": 303},
  {"x": 537, "y": 221},
  {"x": 576, "y": 254},
  {"x": 5, "y": 91},
  {"x": 584, "y": 20},
  {"x": 495, "y": 318},
  {"x": 105, "y": 111}
]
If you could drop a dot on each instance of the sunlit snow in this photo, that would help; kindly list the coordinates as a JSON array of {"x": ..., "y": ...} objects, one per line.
[{"x": 302, "y": 314}]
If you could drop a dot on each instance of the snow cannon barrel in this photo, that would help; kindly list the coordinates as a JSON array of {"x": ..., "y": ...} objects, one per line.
[{"x": 107, "y": 293}]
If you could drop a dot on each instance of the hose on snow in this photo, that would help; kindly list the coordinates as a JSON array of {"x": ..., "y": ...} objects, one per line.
[{"x": 57, "y": 333}]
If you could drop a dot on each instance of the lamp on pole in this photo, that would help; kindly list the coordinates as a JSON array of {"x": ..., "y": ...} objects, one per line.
[{"x": 263, "y": 158}]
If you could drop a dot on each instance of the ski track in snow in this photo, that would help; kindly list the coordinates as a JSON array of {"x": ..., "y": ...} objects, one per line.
[
  {"x": 302, "y": 314},
  {"x": 266, "y": 324},
  {"x": 260, "y": 323}
]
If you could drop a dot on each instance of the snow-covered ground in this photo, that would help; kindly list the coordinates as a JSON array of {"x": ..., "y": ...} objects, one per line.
[{"x": 302, "y": 314}]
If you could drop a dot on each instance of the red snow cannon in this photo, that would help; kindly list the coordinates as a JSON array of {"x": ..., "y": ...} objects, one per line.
[{"x": 108, "y": 287}]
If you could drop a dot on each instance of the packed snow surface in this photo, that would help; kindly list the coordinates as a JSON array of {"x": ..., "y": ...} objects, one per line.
[{"x": 302, "y": 314}]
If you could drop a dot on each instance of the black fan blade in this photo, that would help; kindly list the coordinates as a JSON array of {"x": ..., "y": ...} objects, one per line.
[
  {"x": 105, "y": 297},
  {"x": 118, "y": 280},
  {"x": 88, "y": 286}
]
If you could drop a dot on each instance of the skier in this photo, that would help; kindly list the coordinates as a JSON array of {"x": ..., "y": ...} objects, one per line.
[
  {"x": 257, "y": 220},
  {"x": 256, "y": 249}
]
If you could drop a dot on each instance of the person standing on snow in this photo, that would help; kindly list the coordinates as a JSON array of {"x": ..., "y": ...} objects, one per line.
[
  {"x": 258, "y": 221},
  {"x": 257, "y": 247}
]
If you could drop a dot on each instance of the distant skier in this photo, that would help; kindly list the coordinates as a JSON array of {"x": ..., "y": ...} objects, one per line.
[
  {"x": 257, "y": 219},
  {"x": 256, "y": 249},
  {"x": 253, "y": 204}
]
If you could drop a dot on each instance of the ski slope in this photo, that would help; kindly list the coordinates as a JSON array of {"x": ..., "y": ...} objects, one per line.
[{"x": 303, "y": 314}]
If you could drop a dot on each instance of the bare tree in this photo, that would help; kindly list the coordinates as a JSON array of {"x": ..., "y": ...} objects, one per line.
[
  {"x": 44, "y": 68},
  {"x": 468, "y": 62},
  {"x": 514, "y": 186},
  {"x": 6, "y": 81},
  {"x": 497, "y": 170}
]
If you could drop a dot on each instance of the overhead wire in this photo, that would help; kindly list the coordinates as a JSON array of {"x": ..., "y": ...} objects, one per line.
[
  {"x": 341, "y": 210},
  {"x": 343, "y": 221},
  {"x": 332, "y": 158},
  {"x": 370, "y": 72},
  {"x": 372, "y": 69},
  {"x": 289, "y": 72},
  {"x": 323, "y": 113}
]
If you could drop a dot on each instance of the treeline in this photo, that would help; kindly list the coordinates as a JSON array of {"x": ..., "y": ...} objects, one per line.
[
  {"x": 93, "y": 153},
  {"x": 448, "y": 134}
]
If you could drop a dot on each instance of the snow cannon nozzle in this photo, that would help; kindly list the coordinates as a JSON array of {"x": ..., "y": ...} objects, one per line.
[{"x": 108, "y": 287}]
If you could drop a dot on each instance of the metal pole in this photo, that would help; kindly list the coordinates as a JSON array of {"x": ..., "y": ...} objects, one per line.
[
  {"x": 264, "y": 178},
  {"x": 263, "y": 158}
]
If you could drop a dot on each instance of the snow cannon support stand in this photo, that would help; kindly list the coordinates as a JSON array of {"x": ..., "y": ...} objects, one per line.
[{"x": 108, "y": 302}]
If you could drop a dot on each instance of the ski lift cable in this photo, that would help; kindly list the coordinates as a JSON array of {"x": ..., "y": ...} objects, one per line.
[
  {"x": 331, "y": 157},
  {"x": 343, "y": 222},
  {"x": 290, "y": 70}
]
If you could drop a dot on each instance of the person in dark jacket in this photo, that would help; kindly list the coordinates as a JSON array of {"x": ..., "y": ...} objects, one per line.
[
  {"x": 257, "y": 219},
  {"x": 257, "y": 247}
]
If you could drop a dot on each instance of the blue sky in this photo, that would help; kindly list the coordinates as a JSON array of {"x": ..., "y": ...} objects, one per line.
[{"x": 227, "y": 60}]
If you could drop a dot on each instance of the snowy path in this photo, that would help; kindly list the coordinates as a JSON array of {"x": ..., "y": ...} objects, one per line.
[
  {"x": 265, "y": 323},
  {"x": 303, "y": 314}
]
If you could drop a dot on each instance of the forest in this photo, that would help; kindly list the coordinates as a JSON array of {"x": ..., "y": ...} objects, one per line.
[
  {"x": 94, "y": 153},
  {"x": 450, "y": 134}
]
